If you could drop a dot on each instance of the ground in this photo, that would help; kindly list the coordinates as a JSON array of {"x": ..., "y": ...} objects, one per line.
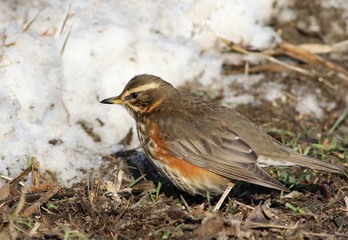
[{"x": 134, "y": 202}]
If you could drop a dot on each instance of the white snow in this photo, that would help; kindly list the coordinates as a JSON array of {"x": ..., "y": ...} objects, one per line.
[
  {"x": 58, "y": 59},
  {"x": 338, "y": 4},
  {"x": 273, "y": 91},
  {"x": 310, "y": 104},
  {"x": 246, "y": 81}
]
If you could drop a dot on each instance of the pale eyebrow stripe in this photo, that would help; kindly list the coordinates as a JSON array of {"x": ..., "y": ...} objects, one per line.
[{"x": 141, "y": 88}]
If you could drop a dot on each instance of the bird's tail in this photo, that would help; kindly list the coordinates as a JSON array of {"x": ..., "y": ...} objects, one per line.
[
  {"x": 314, "y": 163},
  {"x": 309, "y": 162}
]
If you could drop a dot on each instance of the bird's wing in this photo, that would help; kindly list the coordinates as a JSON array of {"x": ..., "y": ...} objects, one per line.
[
  {"x": 269, "y": 150},
  {"x": 210, "y": 144}
]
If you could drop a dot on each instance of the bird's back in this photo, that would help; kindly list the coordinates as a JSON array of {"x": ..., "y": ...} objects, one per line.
[{"x": 269, "y": 151}]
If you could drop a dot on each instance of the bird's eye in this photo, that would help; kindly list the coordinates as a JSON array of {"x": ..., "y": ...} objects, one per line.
[{"x": 134, "y": 95}]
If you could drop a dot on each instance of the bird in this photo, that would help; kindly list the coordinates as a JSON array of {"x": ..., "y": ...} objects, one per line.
[{"x": 203, "y": 147}]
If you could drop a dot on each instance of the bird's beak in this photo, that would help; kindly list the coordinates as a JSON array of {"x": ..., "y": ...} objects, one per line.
[{"x": 113, "y": 100}]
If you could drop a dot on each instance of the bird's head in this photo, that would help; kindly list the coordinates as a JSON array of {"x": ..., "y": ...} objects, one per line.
[{"x": 142, "y": 94}]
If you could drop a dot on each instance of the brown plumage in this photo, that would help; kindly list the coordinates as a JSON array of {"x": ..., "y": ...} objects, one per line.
[{"x": 202, "y": 146}]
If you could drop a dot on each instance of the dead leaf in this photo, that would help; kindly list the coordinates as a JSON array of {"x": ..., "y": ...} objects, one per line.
[
  {"x": 210, "y": 228},
  {"x": 292, "y": 195},
  {"x": 267, "y": 211},
  {"x": 256, "y": 215},
  {"x": 5, "y": 191}
]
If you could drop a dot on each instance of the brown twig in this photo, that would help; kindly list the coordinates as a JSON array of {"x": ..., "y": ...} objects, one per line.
[
  {"x": 66, "y": 110},
  {"x": 315, "y": 48},
  {"x": 15, "y": 214},
  {"x": 67, "y": 16},
  {"x": 43, "y": 199},
  {"x": 269, "y": 58},
  {"x": 95, "y": 190},
  {"x": 268, "y": 225},
  {"x": 223, "y": 197},
  {"x": 35, "y": 168},
  {"x": 304, "y": 56},
  {"x": 21, "y": 175},
  {"x": 32, "y": 21},
  {"x": 243, "y": 205},
  {"x": 262, "y": 68}
]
